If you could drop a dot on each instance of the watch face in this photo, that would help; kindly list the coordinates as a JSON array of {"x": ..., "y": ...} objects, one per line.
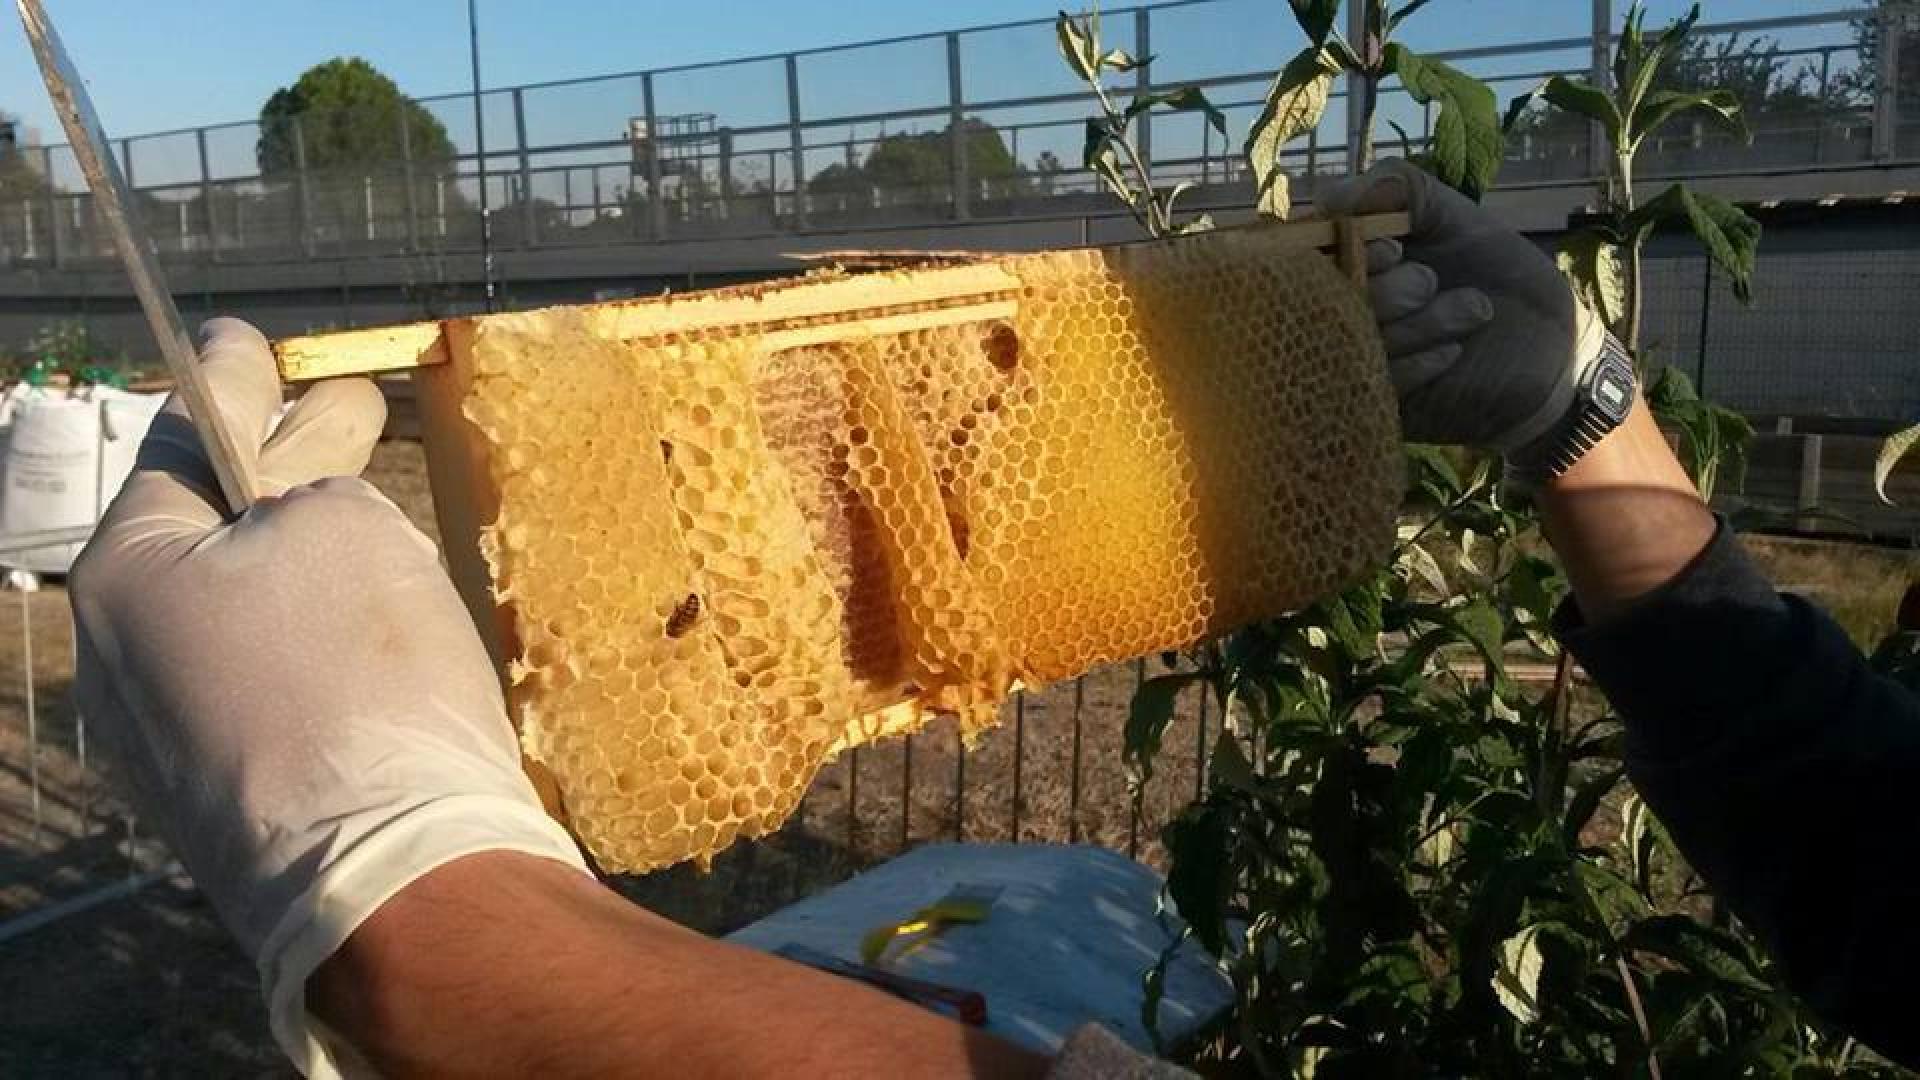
[{"x": 1613, "y": 386}]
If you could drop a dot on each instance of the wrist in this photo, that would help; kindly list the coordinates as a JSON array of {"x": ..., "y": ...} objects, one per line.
[
  {"x": 1625, "y": 518},
  {"x": 1602, "y": 394}
]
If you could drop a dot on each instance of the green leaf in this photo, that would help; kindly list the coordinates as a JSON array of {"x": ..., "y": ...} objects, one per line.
[
  {"x": 1586, "y": 801},
  {"x": 1732, "y": 238},
  {"x": 1102, "y": 157},
  {"x": 1184, "y": 99},
  {"x": 1615, "y": 901},
  {"x": 1079, "y": 44},
  {"x": 1198, "y": 224},
  {"x": 1147, "y": 721},
  {"x": 1699, "y": 949},
  {"x": 1583, "y": 99},
  {"x": 1535, "y": 586},
  {"x": 1891, "y": 452},
  {"x": 1516, "y": 980},
  {"x": 1316, "y": 18},
  {"x": 1518, "y": 107},
  {"x": 1482, "y": 626},
  {"x": 1122, "y": 60},
  {"x": 1294, "y": 106},
  {"x": 1467, "y": 146},
  {"x": 1200, "y": 878},
  {"x": 1591, "y": 262},
  {"x": 1662, "y": 107},
  {"x": 1228, "y": 766}
]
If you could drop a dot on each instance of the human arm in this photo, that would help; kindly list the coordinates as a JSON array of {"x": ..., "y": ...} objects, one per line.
[
  {"x": 1780, "y": 764},
  {"x": 506, "y": 964},
  {"x": 299, "y": 702}
]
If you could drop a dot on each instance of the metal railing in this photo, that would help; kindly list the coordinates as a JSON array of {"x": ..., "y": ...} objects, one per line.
[{"x": 747, "y": 147}]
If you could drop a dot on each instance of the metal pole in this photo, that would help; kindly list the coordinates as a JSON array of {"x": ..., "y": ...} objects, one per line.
[
  {"x": 656, "y": 201},
  {"x": 33, "y": 717},
  {"x": 1601, "y": 76},
  {"x": 726, "y": 173},
  {"x": 53, "y": 208},
  {"x": 406, "y": 176},
  {"x": 1143, "y": 82},
  {"x": 1886, "y": 98},
  {"x": 529, "y": 224},
  {"x": 1357, "y": 93},
  {"x": 1706, "y": 321},
  {"x": 958, "y": 178},
  {"x": 206, "y": 193},
  {"x": 480, "y": 158},
  {"x": 1809, "y": 488},
  {"x": 302, "y": 210},
  {"x": 798, "y": 146},
  {"x": 366, "y": 206}
]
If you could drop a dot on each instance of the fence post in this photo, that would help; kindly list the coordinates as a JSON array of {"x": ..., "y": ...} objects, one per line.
[
  {"x": 303, "y": 212},
  {"x": 1143, "y": 82},
  {"x": 656, "y": 199},
  {"x": 1357, "y": 134},
  {"x": 54, "y": 246},
  {"x": 1886, "y": 97},
  {"x": 1706, "y": 324},
  {"x": 1809, "y": 496},
  {"x": 958, "y": 179},
  {"x": 529, "y": 226},
  {"x": 798, "y": 144},
  {"x": 726, "y": 173},
  {"x": 206, "y": 194},
  {"x": 126, "y": 162},
  {"x": 1602, "y": 77},
  {"x": 406, "y": 177}
]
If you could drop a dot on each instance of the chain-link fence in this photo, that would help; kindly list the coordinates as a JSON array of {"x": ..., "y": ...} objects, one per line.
[{"x": 977, "y": 124}]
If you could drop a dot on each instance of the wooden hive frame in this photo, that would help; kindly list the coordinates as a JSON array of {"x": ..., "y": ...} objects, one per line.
[{"x": 799, "y": 312}]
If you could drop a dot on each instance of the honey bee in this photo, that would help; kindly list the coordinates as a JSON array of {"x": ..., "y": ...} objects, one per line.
[{"x": 683, "y": 616}]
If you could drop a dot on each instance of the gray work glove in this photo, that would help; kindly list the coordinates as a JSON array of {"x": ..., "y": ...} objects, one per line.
[
  {"x": 296, "y": 699},
  {"x": 1485, "y": 340}
]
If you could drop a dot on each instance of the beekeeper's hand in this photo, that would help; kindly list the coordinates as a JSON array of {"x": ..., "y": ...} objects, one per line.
[
  {"x": 1485, "y": 340},
  {"x": 296, "y": 699}
]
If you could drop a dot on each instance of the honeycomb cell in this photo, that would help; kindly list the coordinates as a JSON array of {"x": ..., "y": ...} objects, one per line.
[{"x": 728, "y": 558}]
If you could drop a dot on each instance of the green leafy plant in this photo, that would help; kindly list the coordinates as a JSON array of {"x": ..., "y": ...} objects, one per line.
[
  {"x": 1465, "y": 149},
  {"x": 1415, "y": 854},
  {"x": 1109, "y": 151},
  {"x": 67, "y": 347},
  {"x": 1605, "y": 260}
]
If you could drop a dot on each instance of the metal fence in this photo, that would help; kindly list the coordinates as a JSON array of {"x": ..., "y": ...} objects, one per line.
[{"x": 976, "y": 124}]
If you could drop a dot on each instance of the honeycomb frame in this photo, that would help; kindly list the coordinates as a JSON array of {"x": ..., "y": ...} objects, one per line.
[{"x": 847, "y": 502}]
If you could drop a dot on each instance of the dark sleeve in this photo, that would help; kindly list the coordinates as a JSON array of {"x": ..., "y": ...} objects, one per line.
[{"x": 1786, "y": 771}]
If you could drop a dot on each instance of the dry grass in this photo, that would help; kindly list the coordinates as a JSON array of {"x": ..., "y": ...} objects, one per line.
[{"x": 1858, "y": 584}]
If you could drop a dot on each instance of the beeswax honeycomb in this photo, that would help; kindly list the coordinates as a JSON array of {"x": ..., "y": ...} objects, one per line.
[{"x": 727, "y": 557}]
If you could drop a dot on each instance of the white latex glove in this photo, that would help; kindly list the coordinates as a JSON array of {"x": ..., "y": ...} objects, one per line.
[
  {"x": 1485, "y": 340},
  {"x": 296, "y": 699}
]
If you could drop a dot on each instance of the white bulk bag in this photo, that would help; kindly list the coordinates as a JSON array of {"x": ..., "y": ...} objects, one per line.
[{"x": 66, "y": 457}]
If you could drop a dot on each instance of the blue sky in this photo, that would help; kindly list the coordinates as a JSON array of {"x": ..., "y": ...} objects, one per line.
[{"x": 156, "y": 66}]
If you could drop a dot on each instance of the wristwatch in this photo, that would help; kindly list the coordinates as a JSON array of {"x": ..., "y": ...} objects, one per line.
[{"x": 1602, "y": 399}]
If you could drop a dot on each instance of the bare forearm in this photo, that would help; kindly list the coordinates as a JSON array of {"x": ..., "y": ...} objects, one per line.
[
  {"x": 1626, "y": 519},
  {"x": 509, "y": 964}
]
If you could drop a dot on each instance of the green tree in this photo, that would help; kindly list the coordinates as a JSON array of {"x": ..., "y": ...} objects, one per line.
[
  {"x": 1857, "y": 85},
  {"x": 347, "y": 114},
  {"x": 909, "y": 163},
  {"x": 18, "y": 178},
  {"x": 355, "y": 132}
]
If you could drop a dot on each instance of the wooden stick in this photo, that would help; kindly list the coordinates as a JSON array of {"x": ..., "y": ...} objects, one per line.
[{"x": 799, "y": 312}]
